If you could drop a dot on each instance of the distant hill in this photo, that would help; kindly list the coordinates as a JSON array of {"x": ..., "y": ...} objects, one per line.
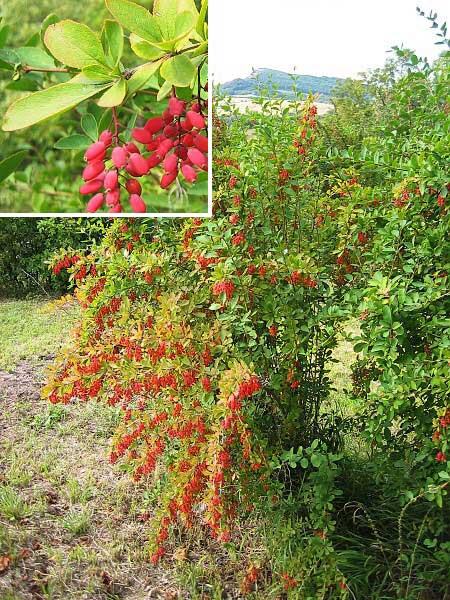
[{"x": 281, "y": 82}]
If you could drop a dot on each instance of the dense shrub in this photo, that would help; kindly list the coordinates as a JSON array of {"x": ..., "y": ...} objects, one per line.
[
  {"x": 215, "y": 340},
  {"x": 28, "y": 245}
]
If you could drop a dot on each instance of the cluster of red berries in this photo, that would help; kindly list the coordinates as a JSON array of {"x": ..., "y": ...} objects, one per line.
[
  {"x": 176, "y": 140},
  {"x": 65, "y": 263}
]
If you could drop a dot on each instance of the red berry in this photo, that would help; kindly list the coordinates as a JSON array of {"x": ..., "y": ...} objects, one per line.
[
  {"x": 188, "y": 140},
  {"x": 93, "y": 170},
  {"x": 138, "y": 164},
  {"x": 186, "y": 125},
  {"x": 96, "y": 151},
  {"x": 94, "y": 203},
  {"x": 111, "y": 180},
  {"x": 153, "y": 160},
  {"x": 189, "y": 173},
  {"x": 113, "y": 197},
  {"x": 164, "y": 148},
  {"x": 167, "y": 117},
  {"x": 201, "y": 142},
  {"x": 131, "y": 148},
  {"x": 143, "y": 136},
  {"x": 168, "y": 178},
  {"x": 170, "y": 131},
  {"x": 181, "y": 152},
  {"x": 154, "y": 125},
  {"x": 133, "y": 186},
  {"x": 197, "y": 158},
  {"x": 116, "y": 209},
  {"x": 196, "y": 119},
  {"x": 176, "y": 107},
  {"x": 91, "y": 187},
  {"x": 119, "y": 157},
  {"x": 106, "y": 137},
  {"x": 170, "y": 163},
  {"x": 137, "y": 204}
]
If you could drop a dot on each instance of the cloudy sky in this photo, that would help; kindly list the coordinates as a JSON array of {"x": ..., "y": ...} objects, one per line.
[{"x": 316, "y": 37}]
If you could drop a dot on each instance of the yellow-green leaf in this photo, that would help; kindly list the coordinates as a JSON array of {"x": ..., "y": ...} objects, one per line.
[
  {"x": 178, "y": 70},
  {"x": 48, "y": 103},
  {"x": 74, "y": 44},
  {"x": 144, "y": 49},
  {"x": 136, "y": 18},
  {"x": 141, "y": 76},
  {"x": 115, "y": 95}
]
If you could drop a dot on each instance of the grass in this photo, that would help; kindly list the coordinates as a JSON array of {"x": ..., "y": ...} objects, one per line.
[{"x": 28, "y": 332}]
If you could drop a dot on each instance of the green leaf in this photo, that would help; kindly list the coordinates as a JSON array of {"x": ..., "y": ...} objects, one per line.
[
  {"x": 74, "y": 44},
  {"x": 49, "y": 20},
  {"x": 135, "y": 18},
  {"x": 115, "y": 95},
  {"x": 11, "y": 164},
  {"x": 98, "y": 73},
  {"x": 168, "y": 12},
  {"x": 164, "y": 91},
  {"x": 178, "y": 70},
  {"x": 105, "y": 121},
  {"x": 73, "y": 142},
  {"x": 35, "y": 57},
  {"x": 23, "y": 85},
  {"x": 4, "y": 31},
  {"x": 48, "y": 103},
  {"x": 89, "y": 126},
  {"x": 112, "y": 39},
  {"x": 200, "y": 27},
  {"x": 140, "y": 77},
  {"x": 144, "y": 49}
]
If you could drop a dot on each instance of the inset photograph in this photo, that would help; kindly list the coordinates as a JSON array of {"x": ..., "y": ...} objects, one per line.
[{"x": 104, "y": 108}]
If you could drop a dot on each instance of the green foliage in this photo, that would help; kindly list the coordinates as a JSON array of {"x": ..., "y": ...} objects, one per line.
[{"x": 27, "y": 244}]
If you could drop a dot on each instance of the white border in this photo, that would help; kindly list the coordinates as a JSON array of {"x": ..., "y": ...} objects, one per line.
[{"x": 144, "y": 215}]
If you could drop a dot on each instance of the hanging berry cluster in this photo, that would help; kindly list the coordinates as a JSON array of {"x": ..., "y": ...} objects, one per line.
[{"x": 166, "y": 146}]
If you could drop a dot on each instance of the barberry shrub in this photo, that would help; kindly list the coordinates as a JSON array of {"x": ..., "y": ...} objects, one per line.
[
  {"x": 213, "y": 337},
  {"x": 149, "y": 121}
]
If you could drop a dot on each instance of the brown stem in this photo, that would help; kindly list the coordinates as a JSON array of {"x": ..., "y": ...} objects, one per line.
[{"x": 116, "y": 126}]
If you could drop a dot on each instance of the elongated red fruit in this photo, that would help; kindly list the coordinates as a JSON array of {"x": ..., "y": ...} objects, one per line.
[
  {"x": 95, "y": 152},
  {"x": 164, "y": 148},
  {"x": 197, "y": 158},
  {"x": 131, "y": 148},
  {"x": 168, "y": 178},
  {"x": 111, "y": 180},
  {"x": 201, "y": 142},
  {"x": 170, "y": 131},
  {"x": 94, "y": 203},
  {"x": 106, "y": 137},
  {"x": 154, "y": 125},
  {"x": 91, "y": 187},
  {"x": 133, "y": 186},
  {"x": 189, "y": 173},
  {"x": 143, "y": 136},
  {"x": 113, "y": 197},
  {"x": 93, "y": 169},
  {"x": 176, "y": 107},
  {"x": 119, "y": 157},
  {"x": 116, "y": 209},
  {"x": 138, "y": 164},
  {"x": 170, "y": 163},
  {"x": 137, "y": 204},
  {"x": 196, "y": 119},
  {"x": 153, "y": 160}
]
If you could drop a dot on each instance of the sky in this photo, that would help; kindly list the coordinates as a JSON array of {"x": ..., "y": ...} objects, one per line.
[{"x": 338, "y": 38}]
